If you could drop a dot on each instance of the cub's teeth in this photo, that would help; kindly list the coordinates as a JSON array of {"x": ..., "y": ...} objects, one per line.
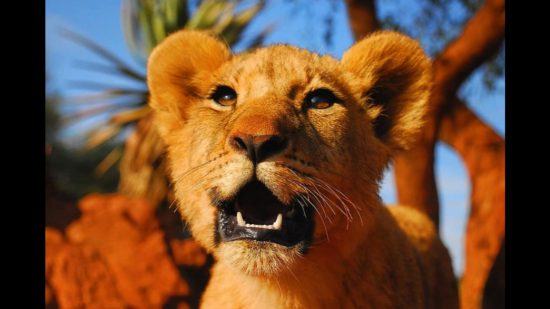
[
  {"x": 240, "y": 220},
  {"x": 279, "y": 222},
  {"x": 275, "y": 226}
]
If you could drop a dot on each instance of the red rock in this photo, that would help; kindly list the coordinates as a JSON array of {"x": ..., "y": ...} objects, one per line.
[
  {"x": 113, "y": 256},
  {"x": 81, "y": 278},
  {"x": 55, "y": 243},
  {"x": 49, "y": 295},
  {"x": 188, "y": 253}
]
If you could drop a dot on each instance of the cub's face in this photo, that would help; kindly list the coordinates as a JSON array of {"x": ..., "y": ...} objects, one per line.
[{"x": 278, "y": 149}]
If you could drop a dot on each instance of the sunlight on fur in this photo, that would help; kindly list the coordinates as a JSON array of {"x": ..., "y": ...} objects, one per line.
[{"x": 276, "y": 157}]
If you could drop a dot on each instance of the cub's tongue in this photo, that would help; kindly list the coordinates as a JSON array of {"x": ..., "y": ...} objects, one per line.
[{"x": 257, "y": 204}]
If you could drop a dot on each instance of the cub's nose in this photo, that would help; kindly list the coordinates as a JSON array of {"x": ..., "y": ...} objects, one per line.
[{"x": 258, "y": 147}]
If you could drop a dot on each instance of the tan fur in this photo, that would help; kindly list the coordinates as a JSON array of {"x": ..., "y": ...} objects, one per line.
[{"x": 363, "y": 255}]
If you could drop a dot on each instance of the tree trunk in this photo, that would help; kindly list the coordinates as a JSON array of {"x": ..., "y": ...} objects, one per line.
[
  {"x": 479, "y": 146},
  {"x": 480, "y": 40},
  {"x": 483, "y": 153},
  {"x": 494, "y": 293}
]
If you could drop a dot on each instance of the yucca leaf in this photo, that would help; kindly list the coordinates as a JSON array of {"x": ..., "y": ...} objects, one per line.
[
  {"x": 130, "y": 115},
  {"x": 89, "y": 84},
  {"x": 233, "y": 31},
  {"x": 108, "y": 162},
  {"x": 101, "y": 135},
  {"x": 247, "y": 15},
  {"x": 224, "y": 20},
  {"x": 103, "y": 68},
  {"x": 105, "y": 96},
  {"x": 145, "y": 24},
  {"x": 71, "y": 118},
  {"x": 131, "y": 28},
  {"x": 176, "y": 14},
  {"x": 98, "y": 50},
  {"x": 208, "y": 13}
]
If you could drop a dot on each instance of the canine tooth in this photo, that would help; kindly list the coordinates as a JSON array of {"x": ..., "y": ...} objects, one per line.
[
  {"x": 240, "y": 220},
  {"x": 279, "y": 222}
]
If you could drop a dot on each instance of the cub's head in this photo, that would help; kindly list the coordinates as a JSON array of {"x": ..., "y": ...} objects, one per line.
[{"x": 278, "y": 152}]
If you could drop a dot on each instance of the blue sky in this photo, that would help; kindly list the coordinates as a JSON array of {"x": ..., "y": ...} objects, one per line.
[{"x": 300, "y": 25}]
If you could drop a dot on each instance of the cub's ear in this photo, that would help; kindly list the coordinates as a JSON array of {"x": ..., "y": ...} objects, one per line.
[
  {"x": 178, "y": 71},
  {"x": 394, "y": 78}
]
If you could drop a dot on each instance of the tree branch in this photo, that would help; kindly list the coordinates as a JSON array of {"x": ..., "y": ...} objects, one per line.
[
  {"x": 482, "y": 35},
  {"x": 481, "y": 39},
  {"x": 362, "y": 17}
]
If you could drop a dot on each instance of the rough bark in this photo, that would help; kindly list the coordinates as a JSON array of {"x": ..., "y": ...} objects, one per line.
[
  {"x": 483, "y": 153},
  {"x": 480, "y": 40}
]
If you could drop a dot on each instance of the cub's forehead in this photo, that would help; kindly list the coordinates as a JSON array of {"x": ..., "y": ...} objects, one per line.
[
  {"x": 283, "y": 58},
  {"x": 280, "y": 66}
]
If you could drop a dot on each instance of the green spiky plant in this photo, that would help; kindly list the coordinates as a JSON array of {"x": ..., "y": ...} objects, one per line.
[{"x": 145, "y": 24}]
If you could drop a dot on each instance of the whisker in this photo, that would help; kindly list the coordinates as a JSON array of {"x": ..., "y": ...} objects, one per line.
[
  {"x": 339, "y": 194},
  {"x": 320, "y": 216},
  {"x": 320, "y": 195},
  {"x": 317, "y": 195},
  {"x": 195, "y": 168},
  {"x": 346, "y": 198},
  {"x": 191, "y": 170},
  {"x": 306, "y": 199},
  {"x": 302, "y": 206},
  {"x": 343, "y": 199},
  {"x": 292, "y": 273},
  {"x": 347, "y": 213},
  {"x": 192, "y": 186},
  {"x": 331, "y": 202},
  {"x": 322, "y": 221},
  {"x": 308, "y": 191},
  {"x": 172, "y": 204}
]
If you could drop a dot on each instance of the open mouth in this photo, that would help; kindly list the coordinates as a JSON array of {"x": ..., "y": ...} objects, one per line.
[{"x": 256, "y": 214}]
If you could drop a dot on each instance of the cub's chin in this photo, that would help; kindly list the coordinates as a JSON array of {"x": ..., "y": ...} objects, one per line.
[
  {"x": 259, "y": 234},
  {"x": 259, "y": 258}
]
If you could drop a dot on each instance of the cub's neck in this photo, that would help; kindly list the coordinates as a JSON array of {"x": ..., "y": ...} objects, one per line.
[{"x": 332, "y": 274}]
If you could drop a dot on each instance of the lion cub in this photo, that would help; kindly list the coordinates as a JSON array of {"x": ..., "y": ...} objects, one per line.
[{"x": 276, "y": 157}]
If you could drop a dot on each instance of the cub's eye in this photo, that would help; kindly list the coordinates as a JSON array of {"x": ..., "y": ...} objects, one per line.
[
  {"x": 320, "y": 99},
  {"x": 224, "y": 96}
]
